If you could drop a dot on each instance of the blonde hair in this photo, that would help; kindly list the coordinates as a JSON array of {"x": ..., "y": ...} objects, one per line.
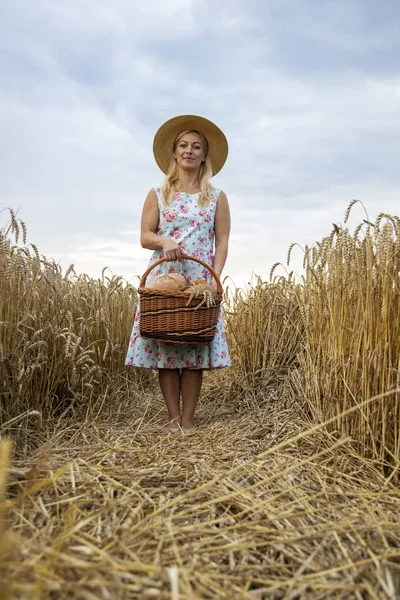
[{"x": 171, "y": 181}]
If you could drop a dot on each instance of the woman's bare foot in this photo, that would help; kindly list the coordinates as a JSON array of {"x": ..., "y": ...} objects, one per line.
[
  {"x": 174, "y": 424},
  {"x": 186, "y": 424}
]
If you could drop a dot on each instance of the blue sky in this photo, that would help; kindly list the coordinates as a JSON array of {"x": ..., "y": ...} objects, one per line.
[{"x": 307, "y": 92}]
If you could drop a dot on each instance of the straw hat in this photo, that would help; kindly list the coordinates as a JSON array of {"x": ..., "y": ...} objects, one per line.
[{"x": 163, "y": 144}]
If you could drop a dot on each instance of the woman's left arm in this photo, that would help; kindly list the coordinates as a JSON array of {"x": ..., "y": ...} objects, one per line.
[{"x": 222, "y": 227}]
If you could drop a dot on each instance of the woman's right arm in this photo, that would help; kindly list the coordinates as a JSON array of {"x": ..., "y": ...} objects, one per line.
[{"x": 148, "y": 237}]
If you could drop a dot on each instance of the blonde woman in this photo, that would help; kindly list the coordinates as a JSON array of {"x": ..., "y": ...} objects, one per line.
[{"x": 186, "y": 215}]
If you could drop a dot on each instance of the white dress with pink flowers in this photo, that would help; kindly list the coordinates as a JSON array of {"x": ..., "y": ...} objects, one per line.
[{"x": 192, "y": 227}]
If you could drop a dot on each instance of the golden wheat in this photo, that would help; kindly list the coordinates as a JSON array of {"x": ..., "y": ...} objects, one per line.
[
  {"x": 352, "y": 332},
  {"x": 336, "y": 333},
  {"x": 62, "y": 336},
  {"x": 278, "y": 501}
]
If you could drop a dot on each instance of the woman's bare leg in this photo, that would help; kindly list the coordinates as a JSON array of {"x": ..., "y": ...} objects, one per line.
[
  {"x": 191, "y": 381},
  {"x": 170, "y": 384}
]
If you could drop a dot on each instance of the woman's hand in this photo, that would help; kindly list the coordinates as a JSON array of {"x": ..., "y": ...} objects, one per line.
[
  {"x": 214, "y": 285},
  {"x": 171, "y": 250}
]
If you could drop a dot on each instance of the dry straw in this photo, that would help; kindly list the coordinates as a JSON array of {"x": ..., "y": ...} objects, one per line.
[
  {"x": 7, "y": 539},
  {"x": 252, "y": 507}
]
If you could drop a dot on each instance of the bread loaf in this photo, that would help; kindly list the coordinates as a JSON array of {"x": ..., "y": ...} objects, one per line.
[{"x": 172, "y": 282}]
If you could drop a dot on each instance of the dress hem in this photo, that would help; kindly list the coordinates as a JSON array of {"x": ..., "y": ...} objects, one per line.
[{"x": 180, "y": 368}]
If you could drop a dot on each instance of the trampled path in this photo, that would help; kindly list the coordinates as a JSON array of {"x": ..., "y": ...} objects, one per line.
[{"x": 244, "y": 506}]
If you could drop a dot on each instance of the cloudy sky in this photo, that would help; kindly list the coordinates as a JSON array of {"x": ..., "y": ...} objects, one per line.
[{"x": 307, "y": 92}]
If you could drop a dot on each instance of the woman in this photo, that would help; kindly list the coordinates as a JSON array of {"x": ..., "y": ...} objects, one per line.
[{"x": 186, "y": 215}]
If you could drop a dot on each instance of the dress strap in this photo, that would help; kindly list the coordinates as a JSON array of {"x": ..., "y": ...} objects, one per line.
[
  {"x": 216, "y": 192},
  {"x": 158, "y": 194}
]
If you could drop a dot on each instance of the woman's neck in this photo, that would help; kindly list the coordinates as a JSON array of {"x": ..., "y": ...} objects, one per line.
[{"x": 188, "y": 182}]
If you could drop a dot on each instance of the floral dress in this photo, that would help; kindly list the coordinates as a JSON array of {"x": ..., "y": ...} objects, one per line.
[{"x": 192, "y": 227}]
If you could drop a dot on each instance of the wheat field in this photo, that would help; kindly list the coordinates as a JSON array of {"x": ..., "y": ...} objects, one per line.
[{"x": 288, "y": 487}]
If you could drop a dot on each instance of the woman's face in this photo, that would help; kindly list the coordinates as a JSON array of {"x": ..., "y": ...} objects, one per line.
[{"x": 190, "y": 152}]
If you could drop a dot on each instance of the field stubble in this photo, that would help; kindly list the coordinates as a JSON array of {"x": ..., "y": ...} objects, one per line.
[{"x": 246, "y": 506}]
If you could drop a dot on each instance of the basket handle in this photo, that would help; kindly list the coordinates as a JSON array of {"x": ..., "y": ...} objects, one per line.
[{"x": 186, "y": 257}]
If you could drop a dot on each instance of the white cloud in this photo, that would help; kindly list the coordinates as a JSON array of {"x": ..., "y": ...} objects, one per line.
[{"x": 311, "y": 120}]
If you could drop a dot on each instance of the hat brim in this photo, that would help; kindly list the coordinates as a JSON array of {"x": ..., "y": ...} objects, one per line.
[{"x": 163, "y": 145}]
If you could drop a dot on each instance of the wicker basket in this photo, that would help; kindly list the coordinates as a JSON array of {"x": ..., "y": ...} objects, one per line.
[{"x": 165, "y": 316}]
